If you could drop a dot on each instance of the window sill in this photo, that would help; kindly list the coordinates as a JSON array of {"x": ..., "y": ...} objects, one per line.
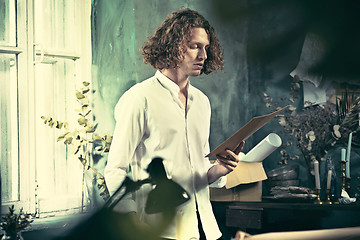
[{"x": 47, "y": 228}]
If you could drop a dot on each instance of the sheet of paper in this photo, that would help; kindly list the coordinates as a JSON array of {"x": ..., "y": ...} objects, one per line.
[{"x": 243, "y": 133}]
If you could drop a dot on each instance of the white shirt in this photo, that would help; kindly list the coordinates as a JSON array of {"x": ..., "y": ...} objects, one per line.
[{"x": 152, "y": 122}]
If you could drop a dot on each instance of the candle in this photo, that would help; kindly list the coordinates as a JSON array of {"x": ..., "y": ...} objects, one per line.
[
  {"x": 343, "y": 154},
  {"x": 347, "y": 172},
  {"x": 317, "y": 176},
  {"x": 328, "y": 183}
]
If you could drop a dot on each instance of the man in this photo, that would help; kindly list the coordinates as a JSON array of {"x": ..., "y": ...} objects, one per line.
[{"x": 165, "y": 116}]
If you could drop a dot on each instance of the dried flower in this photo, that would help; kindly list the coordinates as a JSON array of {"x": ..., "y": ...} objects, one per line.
[{"x": 314, "y": 129}]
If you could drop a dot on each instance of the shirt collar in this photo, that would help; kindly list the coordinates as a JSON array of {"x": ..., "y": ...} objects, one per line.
[
  {"x": 167, "y": 82},
  {"x": 173, "y": 88}
]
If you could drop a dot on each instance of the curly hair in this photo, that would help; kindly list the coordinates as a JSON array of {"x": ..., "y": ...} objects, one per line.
[{"x": 166, "y": 47}]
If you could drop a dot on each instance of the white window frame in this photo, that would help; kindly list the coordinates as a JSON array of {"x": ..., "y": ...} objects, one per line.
[{"x": 26, "y": 55}]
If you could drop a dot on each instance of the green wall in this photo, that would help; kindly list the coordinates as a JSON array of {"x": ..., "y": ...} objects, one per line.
[
  {"x": 262, "y": 43},
  {"x": 120, "y": 27}
]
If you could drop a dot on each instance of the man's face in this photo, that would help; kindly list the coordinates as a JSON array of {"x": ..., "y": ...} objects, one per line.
[{"x": 196, "y": 53}]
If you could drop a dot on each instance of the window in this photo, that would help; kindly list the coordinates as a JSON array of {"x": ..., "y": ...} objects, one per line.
[
  {"x": 9, "y": 127},
  {"x": 44, "y": 52}
]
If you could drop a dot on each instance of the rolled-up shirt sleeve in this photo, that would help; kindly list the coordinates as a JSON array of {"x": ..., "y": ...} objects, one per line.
[{"x": 130, "y": 120}]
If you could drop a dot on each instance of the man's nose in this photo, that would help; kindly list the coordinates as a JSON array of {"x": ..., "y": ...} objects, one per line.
[{"x": 203, "y": 54}]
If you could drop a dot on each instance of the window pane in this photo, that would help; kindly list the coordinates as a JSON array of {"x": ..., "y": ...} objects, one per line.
[
  {"x": 9, "y": 128},
  {"x": 54, "y": 24},
  {"x": 7, "y": 23},
  {"x": 58, "y": 173}
]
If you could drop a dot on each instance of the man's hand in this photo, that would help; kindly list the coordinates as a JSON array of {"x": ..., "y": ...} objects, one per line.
[
  {"x": 226, "y": 163},
  {"x": 229, "y": 161}
]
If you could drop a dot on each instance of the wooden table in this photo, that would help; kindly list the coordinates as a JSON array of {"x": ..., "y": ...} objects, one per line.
[{"x": 262, "y": 217}]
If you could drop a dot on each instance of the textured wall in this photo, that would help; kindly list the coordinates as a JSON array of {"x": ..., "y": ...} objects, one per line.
[
  {"x": 262, "y": 43},
  {"x": 121, "y": 27}
]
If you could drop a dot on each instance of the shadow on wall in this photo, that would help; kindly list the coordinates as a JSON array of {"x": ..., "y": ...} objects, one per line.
[{"x": 334, "y": 21}]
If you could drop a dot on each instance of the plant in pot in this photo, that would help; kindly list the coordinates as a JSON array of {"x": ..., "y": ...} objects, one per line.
[{"x": 13, "y": 224}]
